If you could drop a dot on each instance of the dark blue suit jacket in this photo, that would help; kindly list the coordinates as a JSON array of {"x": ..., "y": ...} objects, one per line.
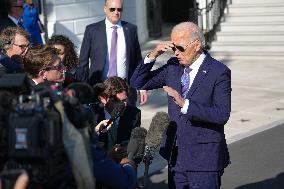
[
  {"x": 6, "y": 22},
  {"x": 199, "y": 134},
  {"x": 94, "y": 47},
  {"x": 108, "y": 172}
]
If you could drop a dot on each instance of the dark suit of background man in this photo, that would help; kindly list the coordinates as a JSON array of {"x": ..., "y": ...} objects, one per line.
[
  {"x": 199, "y": 105},
  {"x": 15, "y": 11},
  {"x": 97, "y": 46},
  {"x": 15, "y": 43}
]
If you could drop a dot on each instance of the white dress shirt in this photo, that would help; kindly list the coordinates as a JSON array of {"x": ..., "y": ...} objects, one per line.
[
  {"x": 122, "y": 68},
  {"x": 15, "y": 20},
  {"x": 194, "y": 69}
]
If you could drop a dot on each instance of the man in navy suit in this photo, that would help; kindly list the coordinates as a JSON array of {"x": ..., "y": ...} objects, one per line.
[
  {"x": 199, "y": 105},
  {"x": 97, "y": 47},
  {"x": 13, "y": 19}
]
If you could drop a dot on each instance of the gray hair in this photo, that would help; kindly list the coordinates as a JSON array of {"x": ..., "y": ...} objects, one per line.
[
  {"x": 8, "y": 34},
  {"x": 192, "y": 29}
]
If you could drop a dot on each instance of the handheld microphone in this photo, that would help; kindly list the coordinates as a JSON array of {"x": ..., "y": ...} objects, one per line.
[
  {"x": 158, "y": 126},
  {"x": 136, "y": 145}
]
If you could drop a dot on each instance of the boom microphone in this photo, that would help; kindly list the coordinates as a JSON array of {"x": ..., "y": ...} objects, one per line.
[
  {"x": 158, "y": 126},
  {"x": 136, "y": 145}
]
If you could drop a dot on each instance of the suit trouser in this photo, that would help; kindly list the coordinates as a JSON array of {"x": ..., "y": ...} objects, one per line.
[
  {"x": 178, "y": 178},
  {"x": 132, "y": 98}
]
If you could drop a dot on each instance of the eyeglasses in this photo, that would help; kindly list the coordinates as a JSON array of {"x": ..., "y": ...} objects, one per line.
[
  {"x": 60, "y": 67},
  {"x": 61, "y": 52},
  {"x": 118, "y": 9},
  {"x": 23, "y": 47},
  {"x": 115, "y": 99},
  {"x": 181, "y": 48},
  {"x": 20, "y": 6}
]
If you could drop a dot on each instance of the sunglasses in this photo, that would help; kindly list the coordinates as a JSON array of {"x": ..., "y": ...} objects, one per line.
[
  {"x": 60, "y": 67},
  {"x": 181, "y": 48},
  {"x": 23, "y": 47},
  {"x": 118, "y": 9},
  {"x": 19, "y": 6}
]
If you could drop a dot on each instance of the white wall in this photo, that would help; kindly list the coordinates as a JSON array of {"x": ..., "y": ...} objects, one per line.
[{"x": 70, "y": 17}]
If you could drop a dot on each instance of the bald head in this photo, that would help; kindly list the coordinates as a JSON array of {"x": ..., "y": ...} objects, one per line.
[
  {"x": 190, "y": 29},
  {"x": 113, "y": 10},
  {"x": 108, "y": 1}
]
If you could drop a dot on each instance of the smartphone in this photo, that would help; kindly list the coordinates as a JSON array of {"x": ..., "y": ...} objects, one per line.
[{"x": 8, "y": 178}]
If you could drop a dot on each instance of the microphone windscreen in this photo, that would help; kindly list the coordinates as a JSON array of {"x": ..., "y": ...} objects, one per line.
[
  {"x": 136, "y": 143},
  {"x": 158, "y": 126},
  {"x": 117, "y": 111},
  {"x": 83, "y": 91}
]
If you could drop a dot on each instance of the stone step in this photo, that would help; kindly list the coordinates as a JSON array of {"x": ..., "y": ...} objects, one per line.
[
  {"x": 264, "y": 13},
  {"x": 268, "y": 24},
  {"x": 256, "y": 9},
  {"x": 252, "y": 29},
  {"x": 249, "y": 48},
  {"x": 256, "y": 5},
  {"x": 255, "y": 18},
  {"x": 225, "y": 55},
  {"x": 234, "y": 36},
  {"x": 246, "y": 43},
  {"x": 246, "y": 2},
  {"x": 236, "y": 28}
]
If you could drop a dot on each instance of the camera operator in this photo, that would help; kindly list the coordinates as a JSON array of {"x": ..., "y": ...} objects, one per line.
[
  {"x": 112, "y": 91},
  {"x": 42, "y": 63},
  {"x": 14, "y": 43},
  {"x": 6, "y": 107}
]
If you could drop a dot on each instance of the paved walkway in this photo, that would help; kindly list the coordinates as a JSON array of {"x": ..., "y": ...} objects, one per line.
[{"x": 247, "y": 171}]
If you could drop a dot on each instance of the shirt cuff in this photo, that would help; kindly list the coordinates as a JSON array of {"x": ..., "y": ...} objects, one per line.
[
  {"x": 183, "y": 110},
  {"x": 148, "y": 60}
]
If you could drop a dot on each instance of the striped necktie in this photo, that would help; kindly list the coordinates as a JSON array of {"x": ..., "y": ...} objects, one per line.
[{"x": 185, "y": 80}]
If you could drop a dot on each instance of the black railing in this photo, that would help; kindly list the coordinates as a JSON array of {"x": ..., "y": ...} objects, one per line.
[{"x": 209, "y": 17}]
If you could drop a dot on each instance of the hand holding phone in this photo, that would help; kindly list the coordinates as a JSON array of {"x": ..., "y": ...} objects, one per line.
[{"x": 13, "y": 179}]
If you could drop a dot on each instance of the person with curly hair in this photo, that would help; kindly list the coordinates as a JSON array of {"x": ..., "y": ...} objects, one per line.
[
  {"x": 67, "y": 51},
  {"x": 68, "y": 55}
]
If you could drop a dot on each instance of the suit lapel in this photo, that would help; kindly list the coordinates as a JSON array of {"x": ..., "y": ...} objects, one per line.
[
  {"x": 102, "y": 35},
  {"x": 201, "y": 74},
  {"x": 176, "y": 76},
  {"x": 127, "y": 40}
]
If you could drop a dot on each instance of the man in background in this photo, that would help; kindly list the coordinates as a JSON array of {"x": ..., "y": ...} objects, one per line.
[
  {"x": 14, "y": 45},
  {"x": 15, "y": 12},
  {"x": 113, "y": 49}
]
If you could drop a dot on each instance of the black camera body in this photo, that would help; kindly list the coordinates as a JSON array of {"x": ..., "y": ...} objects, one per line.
[{"x": 34, "y": 136}]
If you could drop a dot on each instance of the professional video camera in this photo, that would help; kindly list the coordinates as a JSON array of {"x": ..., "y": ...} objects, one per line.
[{"x": 34, "y": 127}]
